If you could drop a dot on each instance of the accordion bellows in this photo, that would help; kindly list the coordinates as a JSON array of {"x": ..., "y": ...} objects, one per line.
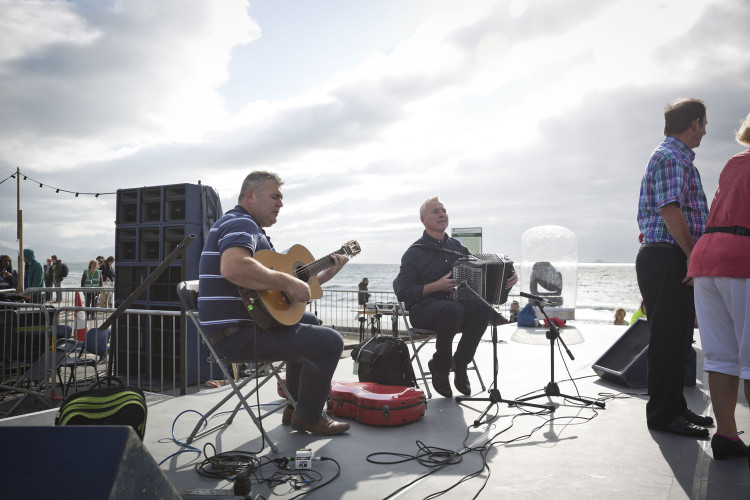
[{"x": 485, "y": 274}]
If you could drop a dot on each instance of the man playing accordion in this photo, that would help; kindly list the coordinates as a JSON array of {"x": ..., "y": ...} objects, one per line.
[{"x": 424, "y": 284}]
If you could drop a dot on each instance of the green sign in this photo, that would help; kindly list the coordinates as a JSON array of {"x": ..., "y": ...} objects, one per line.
[{"x": 470, "y": 237}]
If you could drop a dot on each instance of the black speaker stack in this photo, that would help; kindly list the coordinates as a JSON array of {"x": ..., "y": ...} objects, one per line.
[{"x": 151, "y": 222}]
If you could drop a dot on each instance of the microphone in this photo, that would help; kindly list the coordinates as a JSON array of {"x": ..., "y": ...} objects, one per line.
[{"x": 533, "y": 297}]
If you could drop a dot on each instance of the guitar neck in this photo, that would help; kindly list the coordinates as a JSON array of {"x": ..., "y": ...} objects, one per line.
[{"x": 313, "y": 268}]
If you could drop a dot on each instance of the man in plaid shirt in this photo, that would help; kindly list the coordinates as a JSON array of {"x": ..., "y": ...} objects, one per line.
[{"x": 672, "y": 213}]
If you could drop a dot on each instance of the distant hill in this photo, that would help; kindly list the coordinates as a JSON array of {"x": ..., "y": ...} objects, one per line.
[{"x": 80, "y": 254}]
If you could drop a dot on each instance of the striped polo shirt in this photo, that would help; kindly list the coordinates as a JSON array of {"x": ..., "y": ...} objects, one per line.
[
  {"x": 219, "y": 302},
  {"x": 671, "y": 177}
]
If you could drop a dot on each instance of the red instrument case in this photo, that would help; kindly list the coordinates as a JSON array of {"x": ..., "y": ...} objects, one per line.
[{"x": 375, "y": 404}]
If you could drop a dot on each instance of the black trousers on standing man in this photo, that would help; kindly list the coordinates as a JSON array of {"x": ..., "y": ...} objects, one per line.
[{"x": 670, "y": 308}]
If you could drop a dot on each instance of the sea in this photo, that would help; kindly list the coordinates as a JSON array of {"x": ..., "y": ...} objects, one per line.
[{"x": 602, "y": 287}]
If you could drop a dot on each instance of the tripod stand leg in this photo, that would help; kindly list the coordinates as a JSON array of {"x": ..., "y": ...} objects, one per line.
[
  {"x": 552, "y": 388},
  {"x": 494, "y": 399}
]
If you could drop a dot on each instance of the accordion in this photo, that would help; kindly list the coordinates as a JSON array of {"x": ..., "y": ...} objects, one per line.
[{"x": 486, "y": 274}]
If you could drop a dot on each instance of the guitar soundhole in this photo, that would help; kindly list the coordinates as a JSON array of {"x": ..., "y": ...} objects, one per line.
[{"x": 302, "y": 273}]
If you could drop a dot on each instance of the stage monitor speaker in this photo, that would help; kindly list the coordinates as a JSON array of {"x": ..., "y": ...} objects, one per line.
[
  {"x": 626, "y": 361},
  {"x": 79, "y": 462}
]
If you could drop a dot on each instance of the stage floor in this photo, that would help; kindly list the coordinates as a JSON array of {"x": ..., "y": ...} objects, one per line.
[{"x": 577, "y": 452}]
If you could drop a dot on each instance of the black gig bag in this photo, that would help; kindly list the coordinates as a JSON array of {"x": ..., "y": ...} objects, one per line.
[{"x": 384, "y": 360}]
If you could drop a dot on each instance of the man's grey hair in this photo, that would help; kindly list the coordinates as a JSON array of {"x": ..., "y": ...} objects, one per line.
[
  {"x": 423, "y": 208},
  {"x": 255, "y": 182}
]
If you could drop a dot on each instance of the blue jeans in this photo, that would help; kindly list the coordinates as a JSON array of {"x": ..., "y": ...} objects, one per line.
[{"x": 312, "y": 353}]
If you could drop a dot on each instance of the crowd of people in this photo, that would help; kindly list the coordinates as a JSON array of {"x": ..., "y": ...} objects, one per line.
[{"x": 99, "y": 272}]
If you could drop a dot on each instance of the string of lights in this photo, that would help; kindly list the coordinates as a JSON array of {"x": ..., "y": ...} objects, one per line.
[{"x": 56, "y": 189}]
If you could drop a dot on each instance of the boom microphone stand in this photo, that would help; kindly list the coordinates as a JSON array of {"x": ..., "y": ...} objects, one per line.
[
  {"x": 494, "y": 393},
  {"x": 553, "y": 334}
]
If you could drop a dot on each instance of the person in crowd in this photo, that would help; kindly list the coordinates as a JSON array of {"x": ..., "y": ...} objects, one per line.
[
  {"x": 639, "y": 313},
  {"x": 362, "y": 296},
  {"x": 620, "y": 317},
  {"x": 92, "y": 277},
  {"x": 110, "y": 269},
  {"x": 33, "y": 276},
  {"x": 8, "y": 275},
  {"x": 108, "y": 277},
  {"x": 424, "y": 284},
  {"x": 312, "y": 351},
  {"x": 105, "y": 266},
  {"x": 515, "y": 308},
  {"x": 57, "y": 276},
  {"x": 48, "y": 279},
  {"x": 672, "y": 212},
  {"x": 720, "y": 268}
]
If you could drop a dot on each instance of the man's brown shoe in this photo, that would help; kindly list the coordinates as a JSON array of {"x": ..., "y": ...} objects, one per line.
[
  {"x": 326, "y": 426},
  {"x": 286, "y": 417}
]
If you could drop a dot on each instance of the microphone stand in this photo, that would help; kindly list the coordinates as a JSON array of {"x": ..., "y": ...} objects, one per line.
[
  {"x": 552, "y": 389},
  {"x": 494, "y": 393}
]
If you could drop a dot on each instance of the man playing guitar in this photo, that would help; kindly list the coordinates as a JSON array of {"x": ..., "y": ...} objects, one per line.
[{"x": 311, "y": 351}]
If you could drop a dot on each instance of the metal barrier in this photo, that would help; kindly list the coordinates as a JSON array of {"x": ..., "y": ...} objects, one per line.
[
  {"x": 67, "y": 296},
  {"x": 147, "y": 346},
  {"x": 341, "y": 310},
  {"x": 25, "y": 333},
  {"x": 144, "y": 343}
]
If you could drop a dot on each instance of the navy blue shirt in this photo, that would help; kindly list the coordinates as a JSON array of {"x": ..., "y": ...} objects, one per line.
[
  {"x": 219, "y": 302},
  {"x": 420, "y": 266}
]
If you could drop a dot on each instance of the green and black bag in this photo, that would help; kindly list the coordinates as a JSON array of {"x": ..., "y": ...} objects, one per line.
[{"x": 113, "y": 405}]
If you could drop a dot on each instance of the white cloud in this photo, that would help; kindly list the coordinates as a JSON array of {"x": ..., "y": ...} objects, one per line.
[
  {"x": 517, "y": 114},
  {"x": 103, "y": 81}
]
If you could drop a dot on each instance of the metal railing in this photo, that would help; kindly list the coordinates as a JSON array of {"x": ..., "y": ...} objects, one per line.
[
  {"x": 151, "y": 350},
  {"x": 67, "y": 296},
  {"x": 25, "y": 335},
  {"x": 341, "y": 310}
]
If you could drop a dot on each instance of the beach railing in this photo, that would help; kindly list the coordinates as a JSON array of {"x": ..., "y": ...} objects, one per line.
[
  {"x": 67, "y": 296},
  {"x": 340, "y": 309},
  {"x": 154, "y": 349}
]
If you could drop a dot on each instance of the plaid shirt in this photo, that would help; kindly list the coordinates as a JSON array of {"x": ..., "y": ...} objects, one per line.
[{"x": 671, "y": 177}]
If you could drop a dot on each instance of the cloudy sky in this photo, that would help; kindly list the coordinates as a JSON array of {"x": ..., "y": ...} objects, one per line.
[{"x": 517, "y": 113}]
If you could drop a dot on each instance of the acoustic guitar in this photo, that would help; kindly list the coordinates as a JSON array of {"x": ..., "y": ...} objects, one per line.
[{"x": 272, "y": 309}]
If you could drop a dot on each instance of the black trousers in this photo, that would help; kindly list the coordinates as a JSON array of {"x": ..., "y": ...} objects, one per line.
[
  {"x": 670, "y": 310},
  {"x": 448, "y": 317}
]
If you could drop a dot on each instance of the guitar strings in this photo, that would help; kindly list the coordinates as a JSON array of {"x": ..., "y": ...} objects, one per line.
[{"x": 307, "y": 268}]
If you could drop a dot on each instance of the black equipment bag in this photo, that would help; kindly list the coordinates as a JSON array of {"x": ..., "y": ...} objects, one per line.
[
  {"x": 113, "y": 405},
  {"x": 384, "y": 360}
]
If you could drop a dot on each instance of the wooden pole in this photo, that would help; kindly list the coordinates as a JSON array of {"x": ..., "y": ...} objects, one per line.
[{"x": 19, "y": 230}]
